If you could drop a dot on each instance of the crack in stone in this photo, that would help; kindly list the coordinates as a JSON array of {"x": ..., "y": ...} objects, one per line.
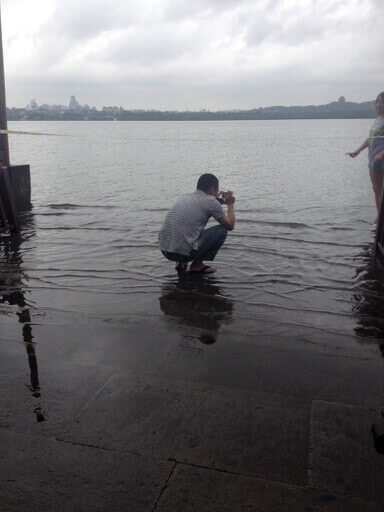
[
  {"x": 165, "y": 485},
  {"x": 74, "y": 443}
]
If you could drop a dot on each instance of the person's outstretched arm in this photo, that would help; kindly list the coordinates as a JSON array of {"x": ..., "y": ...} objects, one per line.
[
  {"x": 364, "y": 145},
  {"x": 228, "y": 221}
]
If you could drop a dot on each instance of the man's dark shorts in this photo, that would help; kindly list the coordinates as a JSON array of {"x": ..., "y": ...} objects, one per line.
[
  {"x": 377, "y": 165},
  {"x": 211, "y": 240},
  {"x": 174, "y": 256}
]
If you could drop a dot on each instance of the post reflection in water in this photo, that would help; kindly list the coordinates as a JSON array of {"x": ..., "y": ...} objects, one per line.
[
  {"x": 12, "y": 292},
  {"x": 368, "y": 298},
  {"x": 197, "y": 301}
]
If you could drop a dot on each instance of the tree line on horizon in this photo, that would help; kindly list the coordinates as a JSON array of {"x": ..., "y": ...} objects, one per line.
[{"x": 340, "y": 109}]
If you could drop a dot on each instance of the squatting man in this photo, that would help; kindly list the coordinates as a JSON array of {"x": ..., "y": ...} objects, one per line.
[{"x": 183, "y": 238}]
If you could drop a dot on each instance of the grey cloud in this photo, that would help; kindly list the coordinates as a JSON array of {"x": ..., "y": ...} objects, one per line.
[
  {"x": 146, "y": 47},
  {"x": 77, "y": 20},
  {"x": 378, "y": 7},
  {"x": 179, "y": 9},
  {"x": 213, "y": 53},
  {"x": 74, "y": 23},
  {"x": 292, "y": 26}
]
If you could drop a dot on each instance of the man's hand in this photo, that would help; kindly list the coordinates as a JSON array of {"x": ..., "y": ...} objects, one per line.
[
  {"x": 229, "y": 198},
  {"x": 353, "y": 154},
  {"x": 229, "y": 220}
]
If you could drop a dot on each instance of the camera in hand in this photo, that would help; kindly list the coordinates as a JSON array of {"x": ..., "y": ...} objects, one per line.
[{"x": 221, "y": 197}]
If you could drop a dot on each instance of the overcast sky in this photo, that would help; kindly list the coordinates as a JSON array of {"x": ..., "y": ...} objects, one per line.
[{"x": 192, "y": 54}]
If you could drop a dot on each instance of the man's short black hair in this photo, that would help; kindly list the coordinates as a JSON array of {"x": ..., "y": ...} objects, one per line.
[{"x": 207, "y": 181}]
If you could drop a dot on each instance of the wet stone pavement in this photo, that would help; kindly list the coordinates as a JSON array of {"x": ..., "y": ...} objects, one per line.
[
  {"x": 180, "y": 404},
  {"x": 162, "y": 414}
]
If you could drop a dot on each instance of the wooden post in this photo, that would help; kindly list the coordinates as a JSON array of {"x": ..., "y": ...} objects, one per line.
[
  {"x": 8, "y": 209},
  {"x": 15, "y": 184},
  {"x": 4, "y": 147}
]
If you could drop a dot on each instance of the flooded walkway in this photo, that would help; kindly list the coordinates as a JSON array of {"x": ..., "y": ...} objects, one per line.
[{"x": 168, "y": 413}]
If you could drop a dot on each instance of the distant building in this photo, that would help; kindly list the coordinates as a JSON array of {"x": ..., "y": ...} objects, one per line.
[
  {"x": 112, "y": 110},
  {"x": 58, "y": 108},
  {"x": 73, "y": 104},
  {"x": 32, "y": 105},
  {"x": 53, "y": 108}
]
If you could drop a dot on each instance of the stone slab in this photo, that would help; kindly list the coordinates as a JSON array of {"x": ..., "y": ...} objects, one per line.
[
  {"x": 200, "y": 490},
  {"x": 251, "y": 433},
  {"x": 135, "y": 347},
  {"x": 62, "y": 393},
  {"x": 342, "y": 458},
  {"x": 39, "y": 474},
  {"x": 281, "y": 367},
  {"x": 70, "y": 365}
]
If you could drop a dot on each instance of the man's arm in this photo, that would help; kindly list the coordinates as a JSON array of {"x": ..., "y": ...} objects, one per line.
[{"x": 228, "y": 221}]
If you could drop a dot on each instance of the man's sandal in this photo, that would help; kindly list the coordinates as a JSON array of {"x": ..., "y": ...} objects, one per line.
[{"x": 204, "y": 270}]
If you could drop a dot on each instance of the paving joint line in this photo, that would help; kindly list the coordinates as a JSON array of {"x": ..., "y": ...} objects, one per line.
[
  {"x": 275, "y": 482},
  {"x": 95, "y": 394},
  {"x": 163, "y": 489},
  {"x": 310, "y": 447},
  {"x": 74, "y": 443},
  {"x": 307, "y": 486},
  {"x": 234, "y": 473}
]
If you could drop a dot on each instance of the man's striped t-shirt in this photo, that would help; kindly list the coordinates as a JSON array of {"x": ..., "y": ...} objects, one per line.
[{"x": 186, "y": 220}]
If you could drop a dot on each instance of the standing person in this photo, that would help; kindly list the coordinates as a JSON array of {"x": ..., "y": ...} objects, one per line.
[
  {"x": 183, "y": 238},
  {"x": 375, "y": 143}
]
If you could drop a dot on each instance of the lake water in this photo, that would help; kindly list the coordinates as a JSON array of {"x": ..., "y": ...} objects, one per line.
[{"x": 299, "y": 260}]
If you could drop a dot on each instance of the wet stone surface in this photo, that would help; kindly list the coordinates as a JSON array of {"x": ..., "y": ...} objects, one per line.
[
  {"x": 341, "y": 457},
  {"x": 250, "y": 433},
  {"x": 196, "y": 489},
  {"x": 165, "y": 408},
  {"x": 38, "y": 473}
]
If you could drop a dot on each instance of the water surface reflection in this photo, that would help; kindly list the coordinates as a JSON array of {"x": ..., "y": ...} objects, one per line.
[
  {"x": 13, "y": 293},
  {"x": 197, "y": 301},
  {"x": 368, "y": 299}
]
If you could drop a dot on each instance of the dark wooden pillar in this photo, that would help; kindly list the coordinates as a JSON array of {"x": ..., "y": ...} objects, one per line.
[
  {"x": 4, "y": 148},
  {"x": 17, "y": 192}
]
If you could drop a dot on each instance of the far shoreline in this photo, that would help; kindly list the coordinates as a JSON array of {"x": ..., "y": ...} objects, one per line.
[
  {"x": 197, "y": 120},
  {"x": 340, "y": 109}
]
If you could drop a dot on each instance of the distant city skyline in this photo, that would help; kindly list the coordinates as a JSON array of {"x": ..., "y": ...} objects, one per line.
[
  {"x": 72, "y": 104},
  {"x": 187, "y": 55},
  {"x": 75, "y": 105},
  {"x": 340, "y": 109}
]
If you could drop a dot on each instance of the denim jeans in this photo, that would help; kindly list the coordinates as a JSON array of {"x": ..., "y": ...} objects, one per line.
[{"x": 210, "y": 241}]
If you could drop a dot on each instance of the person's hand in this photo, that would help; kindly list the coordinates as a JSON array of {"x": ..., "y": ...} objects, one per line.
[
  {"x": 353, "y": 153},
  {"x": 229, "y": 198}
]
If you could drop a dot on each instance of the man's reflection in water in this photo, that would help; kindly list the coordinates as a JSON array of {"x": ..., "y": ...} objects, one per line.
[
  {"x": 12, "y": 293},
  {"x": 369, "y": 297},
  {"x": 197, "y": 302}
]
